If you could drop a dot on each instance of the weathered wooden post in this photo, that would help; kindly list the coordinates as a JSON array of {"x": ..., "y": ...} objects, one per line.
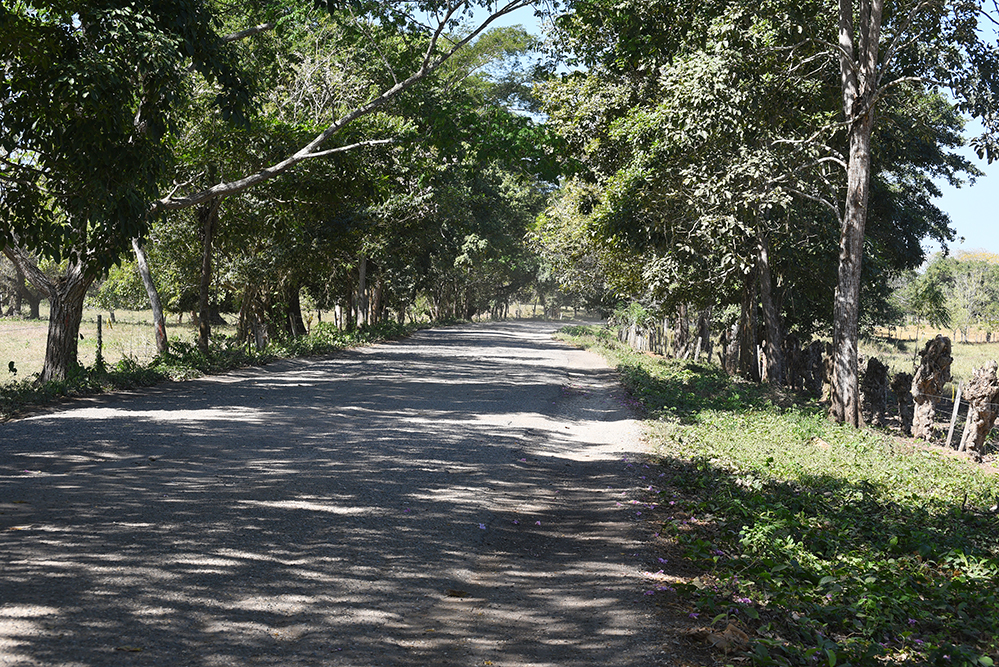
[
  {"x": 982, "y": 393},
  {"x": 953, "y": 414},
  {"x": 874, "y": 392},
  {"x": 927, "y": 386},
  {"x": 901, "y": 385}
]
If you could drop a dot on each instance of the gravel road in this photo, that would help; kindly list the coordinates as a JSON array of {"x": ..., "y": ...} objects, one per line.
[{"x": 462, "y": 497}]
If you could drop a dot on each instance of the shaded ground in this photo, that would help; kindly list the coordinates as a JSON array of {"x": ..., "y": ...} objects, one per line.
[{"x": 468, "y": 496}]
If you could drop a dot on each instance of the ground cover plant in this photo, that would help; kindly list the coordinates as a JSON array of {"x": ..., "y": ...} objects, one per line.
[{"x": 825, "y": 544}]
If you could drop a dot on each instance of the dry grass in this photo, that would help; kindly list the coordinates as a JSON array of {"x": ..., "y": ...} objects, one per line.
[
  {"x": 23, "y": 341},
  {"x": 899, "y": 351}
]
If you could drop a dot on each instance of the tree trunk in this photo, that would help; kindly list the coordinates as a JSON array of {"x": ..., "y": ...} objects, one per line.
[
  {"x": 293, "y": 305},
  {"x": 207, "y": 218},
  {"x": 159, "y": 321},
  {"x": 982, "y": 394},
  {"x": 748, "y": 367},
  {"x": 774, "y": 342},
  {"x": 17, "y": 297},
  {"x": 362, "y": 291},
  {"x": 859, "y": 83},
  {"x": 65, "y": 296},
  {"x": 66, "y": 311},
  {"x": 927, "y": 385}
]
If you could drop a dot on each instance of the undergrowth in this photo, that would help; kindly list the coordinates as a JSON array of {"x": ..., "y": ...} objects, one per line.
[
  {"x": 185, "y": 360},
  {"x": 829, "y": 545}
]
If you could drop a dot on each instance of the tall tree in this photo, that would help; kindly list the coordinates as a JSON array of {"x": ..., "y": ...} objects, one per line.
[
  {"x": 87, "y": 91},
  {"x": 899, "y": 49}
]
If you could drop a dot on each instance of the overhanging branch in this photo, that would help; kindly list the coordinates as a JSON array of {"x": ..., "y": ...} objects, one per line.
[{"x": 310, "y": 150}]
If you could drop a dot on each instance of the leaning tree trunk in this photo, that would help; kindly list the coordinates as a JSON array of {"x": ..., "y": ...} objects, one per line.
[
  {"x": 159, "y": 321},
  {"x": 982, "y": 393},
  {"x": 927, "y": 386},
  {"x": 858, "y": 70}
]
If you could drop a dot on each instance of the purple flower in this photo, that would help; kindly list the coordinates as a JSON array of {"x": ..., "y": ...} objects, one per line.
[
  {"x": 482, "y": 526},
  {"x": 693, "y": 614},
  {"x": 663, "y": 561}
]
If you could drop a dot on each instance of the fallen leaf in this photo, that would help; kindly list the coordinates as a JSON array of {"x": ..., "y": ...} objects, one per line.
[
  {"x": 453, "y": 593},
  {"x": 731, "y": 639},
  {"x": 129, "y": 649}
]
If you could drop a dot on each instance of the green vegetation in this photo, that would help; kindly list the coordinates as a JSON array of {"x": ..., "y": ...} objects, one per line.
[{"x": 828, "y": 544}]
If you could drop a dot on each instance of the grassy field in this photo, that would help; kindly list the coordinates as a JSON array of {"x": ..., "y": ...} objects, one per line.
[
  {"x": 900, "y": 351},
  {"x": 23, "y": 341},
  {"x": 824, "y": 544}
]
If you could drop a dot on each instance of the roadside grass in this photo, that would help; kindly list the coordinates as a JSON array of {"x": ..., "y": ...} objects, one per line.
[
  {"x": 186, "y": 361},
  {"x": 826, "y": 544}
]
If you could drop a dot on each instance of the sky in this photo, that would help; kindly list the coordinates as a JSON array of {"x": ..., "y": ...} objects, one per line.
[{"x": 973, "y": 209}]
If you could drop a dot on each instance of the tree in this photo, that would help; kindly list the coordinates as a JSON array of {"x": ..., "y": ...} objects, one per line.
[
  {"x": 90, "y": 90},
  {"x": 87, "y": 91},
  {"x": 794, "y": 60},
  {"x": 926, "y": 45}
]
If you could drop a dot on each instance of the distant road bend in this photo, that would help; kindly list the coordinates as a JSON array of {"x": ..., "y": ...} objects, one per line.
[{"x": 457, "y": 498}]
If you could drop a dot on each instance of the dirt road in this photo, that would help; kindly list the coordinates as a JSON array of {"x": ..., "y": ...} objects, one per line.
[{"x": 463, "y": 497}]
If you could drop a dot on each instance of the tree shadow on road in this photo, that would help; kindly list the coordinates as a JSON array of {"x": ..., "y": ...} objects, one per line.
[{"x": 451, "y": 499}]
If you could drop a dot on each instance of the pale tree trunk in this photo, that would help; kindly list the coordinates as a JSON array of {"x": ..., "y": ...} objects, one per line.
[
  {"x": 208, "y": 217},
  {"x": 66, "y": 310},
  {"x": 19, "y": 290},
  {"x": 362, "y": 292},
  {"x": 774, "y": 342},
  {"x": 159, "y": 321},
  {"x": 858, "y": 67}
]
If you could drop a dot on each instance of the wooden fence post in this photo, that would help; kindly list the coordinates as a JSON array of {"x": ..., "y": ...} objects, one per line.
[{"x": 953, "y": 416}]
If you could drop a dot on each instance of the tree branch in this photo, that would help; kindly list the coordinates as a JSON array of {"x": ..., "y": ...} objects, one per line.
[
  {"x": 427, "y": 67},
  {"x": 819, "y": 200},
  {"x": 22, "y": 260},
  {"x": 249, "y": 32},
  {"x": 350, "y": 147}
]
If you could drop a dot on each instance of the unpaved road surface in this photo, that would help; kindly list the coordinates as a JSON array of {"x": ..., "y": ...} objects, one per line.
[{"x": 463, "y": 497}]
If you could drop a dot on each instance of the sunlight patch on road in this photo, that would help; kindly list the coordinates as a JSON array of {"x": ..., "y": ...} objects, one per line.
[
  {"x": 236, "y": 413},
  {"x": 305, "y": 505}
]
